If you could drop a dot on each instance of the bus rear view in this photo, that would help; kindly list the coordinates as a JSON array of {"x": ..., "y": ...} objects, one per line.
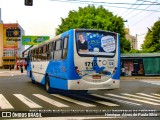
[
  {"x": 96, "y": 60},
  {"x": 82, "y": 59}
]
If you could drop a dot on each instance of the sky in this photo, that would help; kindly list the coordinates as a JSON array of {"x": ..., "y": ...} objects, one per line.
[{"x": 45, "y": 15}]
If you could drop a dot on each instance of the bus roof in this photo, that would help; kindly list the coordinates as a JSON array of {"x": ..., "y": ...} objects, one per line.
[{"x": 58, "y": 36}]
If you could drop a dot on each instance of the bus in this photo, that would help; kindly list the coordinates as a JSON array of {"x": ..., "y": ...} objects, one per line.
[{"x": 78, "y": 59}]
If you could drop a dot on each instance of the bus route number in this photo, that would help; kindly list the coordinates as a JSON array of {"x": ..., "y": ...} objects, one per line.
[{"x": 91, "y": 63}]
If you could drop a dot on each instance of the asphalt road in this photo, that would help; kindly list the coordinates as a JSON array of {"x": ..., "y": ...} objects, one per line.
[{"x": 134, "y": 98}]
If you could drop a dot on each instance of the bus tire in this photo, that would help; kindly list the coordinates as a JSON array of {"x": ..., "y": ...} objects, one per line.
[
  {"x": 47, "y": 84},
  {"x": 33, "y": 81}
]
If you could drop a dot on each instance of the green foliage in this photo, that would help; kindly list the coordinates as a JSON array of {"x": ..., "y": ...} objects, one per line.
[
  {"x": 91, "y": 17},
  {"x": 152, "y": 39},
  {"x": 150, "y": 50},
  {"x": 135, "y": 51},
  {"x": 125, "y": 45},
  {"x": 140, "y": 51}
]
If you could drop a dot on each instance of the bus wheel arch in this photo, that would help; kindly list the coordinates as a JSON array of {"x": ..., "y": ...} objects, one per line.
[{"x": 47, "y": 83}]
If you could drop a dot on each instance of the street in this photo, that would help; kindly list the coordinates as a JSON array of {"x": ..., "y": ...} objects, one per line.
[{"x": 133, "y": 98}]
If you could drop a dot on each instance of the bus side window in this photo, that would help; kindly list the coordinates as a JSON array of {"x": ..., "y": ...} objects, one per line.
[
  {"x": 50, "y": 52},
  {"x": 58, "y": 50},
  {"x": 65, "y": 47},
  {"x": 38, "y": 56},
  {"x": 34, "y": 55},
  {"x": 44, "y": 55},
  {"x": 47, "y": 51}
]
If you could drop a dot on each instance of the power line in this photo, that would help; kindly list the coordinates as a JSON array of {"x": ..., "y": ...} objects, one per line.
[
  {"x": 103, "y": 5},
  {"x": 140, "y": 11},
  {"x": 144, "y": 17},
  {"x": 132, "y": 8},
  {"x": 88, "y": 2},
  {"x": 148, "y": 1},
  {"x": 141, "y": 35},
  {"x": 135, "y": 8},
  {"x": 129, "y": 8}
]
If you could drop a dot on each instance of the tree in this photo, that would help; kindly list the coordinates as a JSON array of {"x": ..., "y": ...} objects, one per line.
[
  {"x": 152, "y": 39},
  {"x": 91, "y": 17},
  {"x": 125, "y": 45}
]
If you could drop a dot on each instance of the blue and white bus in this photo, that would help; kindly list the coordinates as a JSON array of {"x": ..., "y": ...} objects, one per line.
[{"x": 78, "y": 59}]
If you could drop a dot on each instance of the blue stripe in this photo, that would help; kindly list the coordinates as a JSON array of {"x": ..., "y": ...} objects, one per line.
[{"x": 117, "y": 72}]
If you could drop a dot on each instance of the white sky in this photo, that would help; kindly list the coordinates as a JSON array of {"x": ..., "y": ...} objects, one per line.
[{"x": 44, "y": 16}]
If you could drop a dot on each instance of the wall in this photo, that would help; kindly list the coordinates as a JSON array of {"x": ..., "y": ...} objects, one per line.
[
  {"x": 132, "y": 39},
  {"x": 1, "y": 43}
]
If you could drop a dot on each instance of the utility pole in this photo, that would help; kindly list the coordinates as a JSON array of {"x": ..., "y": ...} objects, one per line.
[{"x": 136, "y": 42}]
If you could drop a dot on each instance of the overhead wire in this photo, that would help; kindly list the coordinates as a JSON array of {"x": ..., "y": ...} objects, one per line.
[
  {"x": 77, "y": 1},
  {"x": 129, "y": 8},
  {"x": 148, "y": 1},
  {"x": 144, "y": 17},
  {"x": 135, "y": 8},
  {"x": 102, "y": 3},
  {"x": 141, "y": 35},
  {"x": 140, "y": 11},
  {"x": 106, "y": 4}
]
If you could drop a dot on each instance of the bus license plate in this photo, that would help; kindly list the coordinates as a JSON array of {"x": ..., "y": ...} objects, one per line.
[{"x": 96, "y": 76}]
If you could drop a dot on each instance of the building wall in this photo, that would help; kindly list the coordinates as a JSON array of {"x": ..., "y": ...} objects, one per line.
[
  {"x": 132, "y": 39},
  {"x": 21, "y": 47},
  {"x": 1, "y": 43},
  {"x": 10, "y": 49}
]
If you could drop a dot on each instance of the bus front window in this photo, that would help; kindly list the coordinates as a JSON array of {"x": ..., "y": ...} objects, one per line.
[{"x": 96, "y": 43}]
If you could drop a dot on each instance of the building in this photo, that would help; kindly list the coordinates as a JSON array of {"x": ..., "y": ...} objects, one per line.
[
  {"x": 11, "y": 46},
  {"x": 132, "y": 39},
  {"x": 141, "y": 64}
]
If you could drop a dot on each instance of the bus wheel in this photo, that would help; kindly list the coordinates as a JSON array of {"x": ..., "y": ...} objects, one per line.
[
  {"x": 47, "y": 84},
  {"x": 33, "y": 81}
]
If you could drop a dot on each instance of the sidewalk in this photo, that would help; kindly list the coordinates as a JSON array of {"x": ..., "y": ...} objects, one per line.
[
  {"x": 6, "y": 72},
  {"x": 140, "y": 78}
]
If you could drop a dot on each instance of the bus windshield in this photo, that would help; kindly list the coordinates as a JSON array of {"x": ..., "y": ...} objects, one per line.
[{"x": 96, "y": 43}]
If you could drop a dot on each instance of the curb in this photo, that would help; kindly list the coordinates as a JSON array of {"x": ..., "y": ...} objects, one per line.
[
  {"x": 139, "y": 78},
  {"x": 11, "y": 73}
]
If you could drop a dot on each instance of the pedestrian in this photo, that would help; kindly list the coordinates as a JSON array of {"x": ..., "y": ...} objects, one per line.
[
  {"x": 10, "y": 68},
  {"x": 123, "y": 71},
  {"x": 21, "y": 69}
]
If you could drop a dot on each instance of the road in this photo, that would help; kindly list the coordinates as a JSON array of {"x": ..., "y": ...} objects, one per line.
[{"x": 133, "y": 98}]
